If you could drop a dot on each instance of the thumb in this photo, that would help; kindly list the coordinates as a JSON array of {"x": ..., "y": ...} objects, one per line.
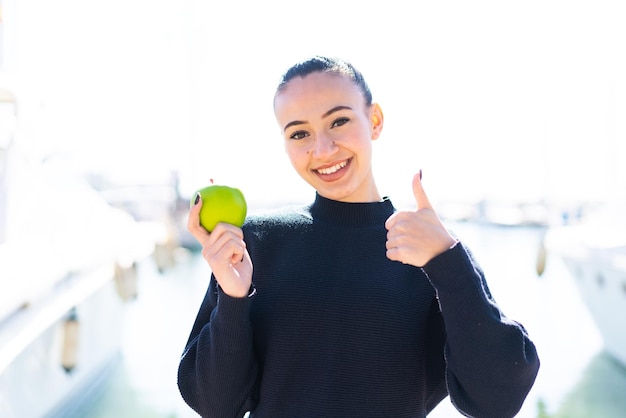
[{"x": 420, "y": 195}]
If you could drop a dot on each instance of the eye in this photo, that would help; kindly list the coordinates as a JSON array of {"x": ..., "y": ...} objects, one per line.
[
  {"x": 340, "y": 122},
  {"x": 299, "y": 135}
]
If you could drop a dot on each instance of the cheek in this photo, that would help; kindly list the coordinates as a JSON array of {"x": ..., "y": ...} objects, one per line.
[{"x": 297, "y": 156}]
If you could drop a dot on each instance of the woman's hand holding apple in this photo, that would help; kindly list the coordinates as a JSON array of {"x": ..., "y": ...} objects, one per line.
[{"x": 225, "y": 251}]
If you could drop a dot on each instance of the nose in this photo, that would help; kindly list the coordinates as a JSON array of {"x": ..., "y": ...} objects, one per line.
[{"x": 323, "y": 146}]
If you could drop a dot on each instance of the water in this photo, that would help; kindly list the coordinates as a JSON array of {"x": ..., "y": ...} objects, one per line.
[{"x": 577, "y": 379}]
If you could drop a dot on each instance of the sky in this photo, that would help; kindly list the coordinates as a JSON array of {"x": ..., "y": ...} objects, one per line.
[{"x": 491, "y": 99}]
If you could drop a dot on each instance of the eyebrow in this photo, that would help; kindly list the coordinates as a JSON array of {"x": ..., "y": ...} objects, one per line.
[{"x": 325, "y": 115}]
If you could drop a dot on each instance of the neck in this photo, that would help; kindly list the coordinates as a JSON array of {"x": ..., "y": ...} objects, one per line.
[{"x": 351, "y": 213}]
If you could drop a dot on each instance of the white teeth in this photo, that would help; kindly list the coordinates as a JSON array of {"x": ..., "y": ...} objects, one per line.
[{"x": 333, "y": 169}]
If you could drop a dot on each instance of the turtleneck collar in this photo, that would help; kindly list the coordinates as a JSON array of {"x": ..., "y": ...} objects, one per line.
[{"x": 351, "y": 214}]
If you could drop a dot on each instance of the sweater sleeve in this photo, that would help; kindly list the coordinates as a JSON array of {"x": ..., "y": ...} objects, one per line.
[
  {"x": 218, "y": 369},
  {"x": 491, "y": 362}
]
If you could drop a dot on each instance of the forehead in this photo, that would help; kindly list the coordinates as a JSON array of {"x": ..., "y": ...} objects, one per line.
[{"x": 318, "y": 90}]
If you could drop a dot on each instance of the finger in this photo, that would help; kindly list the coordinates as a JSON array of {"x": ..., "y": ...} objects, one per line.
[
  {"x": 228, "y": 249},
  {"x": 193, "y": 222},
  {"x": 420, "y": 195},
  {"x": 391, "y": 243},
  {"x": 391, "y": 221},
  {"x": 222, "y": 229},
  {"x": 237, "y": 255},
  {"x": 194, "y": 214},
  {"x": 398, "y": 223},
  {"x": 222, "y": 235}
]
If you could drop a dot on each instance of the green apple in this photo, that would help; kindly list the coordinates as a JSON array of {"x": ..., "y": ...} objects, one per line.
[{"x": 221, "y": 204}]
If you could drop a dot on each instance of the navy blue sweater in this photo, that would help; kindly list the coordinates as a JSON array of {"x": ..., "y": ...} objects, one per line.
[{"x": 335, "y": 329}]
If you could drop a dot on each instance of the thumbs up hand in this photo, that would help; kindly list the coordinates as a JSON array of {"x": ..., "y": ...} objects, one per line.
[{"x": 415, "y": 237}]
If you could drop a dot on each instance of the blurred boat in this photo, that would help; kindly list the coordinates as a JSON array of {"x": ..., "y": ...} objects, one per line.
[
  {"x": 159, "y": 203},
  {"x": 68, "y": 265},
  {"x": 498, "y": 211},
  {"x": 506, "y": 212},
  {"x": 594, "y": 251}
]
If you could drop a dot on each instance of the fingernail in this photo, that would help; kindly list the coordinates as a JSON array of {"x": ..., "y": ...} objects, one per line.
[
  {"x": 420, "y": 173},
  {"x": 195, "y": 202}
]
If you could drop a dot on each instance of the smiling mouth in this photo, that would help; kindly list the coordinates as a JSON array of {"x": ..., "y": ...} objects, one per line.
[{"x": 332, "y": 169}]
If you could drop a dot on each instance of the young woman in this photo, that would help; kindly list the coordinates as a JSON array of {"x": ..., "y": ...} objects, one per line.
[{"x": 352, "y": 309}]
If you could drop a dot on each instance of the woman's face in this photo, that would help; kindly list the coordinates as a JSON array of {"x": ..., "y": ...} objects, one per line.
[{"x": 328, "y": 131}]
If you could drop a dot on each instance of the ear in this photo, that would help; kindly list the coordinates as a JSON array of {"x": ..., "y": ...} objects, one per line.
[{"x": 376, "y": 119}]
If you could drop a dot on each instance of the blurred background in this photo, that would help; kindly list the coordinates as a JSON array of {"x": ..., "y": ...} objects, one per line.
[{"x": 113, "y": 113}]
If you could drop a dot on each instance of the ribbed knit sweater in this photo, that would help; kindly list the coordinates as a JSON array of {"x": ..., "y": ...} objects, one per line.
[{"x": 336, "y": 329}]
